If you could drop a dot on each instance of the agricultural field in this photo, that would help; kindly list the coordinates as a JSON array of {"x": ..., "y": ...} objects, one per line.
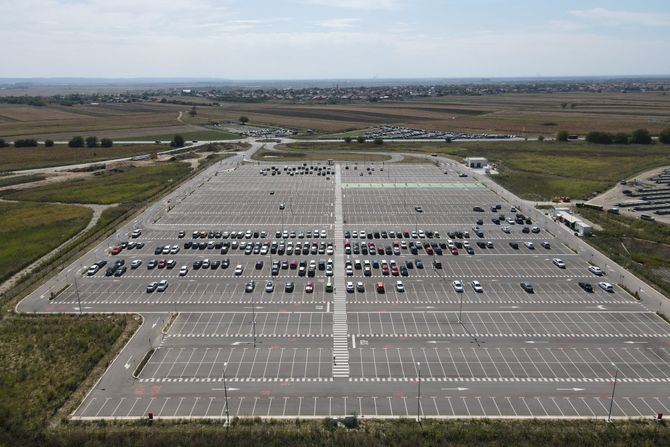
[
  {"x": 20, "y": 179},
  {"x": 130, "y": 184},
  {"x": 535, "y": 170},
  {"x": 266, "y": 155},
  {"x": 204, "y": 134},
  {"x": 522, "y": 114},
  {"x": 14, "y": 159},
  {"x": 31, "y": 230}
]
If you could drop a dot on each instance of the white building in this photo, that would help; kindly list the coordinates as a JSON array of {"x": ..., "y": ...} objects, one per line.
[{"x": 476, "y": 162}]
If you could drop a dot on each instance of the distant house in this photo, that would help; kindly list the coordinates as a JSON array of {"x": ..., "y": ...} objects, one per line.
[{"x": 476, "y": 162}]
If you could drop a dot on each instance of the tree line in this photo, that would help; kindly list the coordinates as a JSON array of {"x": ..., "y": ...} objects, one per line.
[
  {"x": 77, "y": 141},
  {"x": 639, "y": 136}
]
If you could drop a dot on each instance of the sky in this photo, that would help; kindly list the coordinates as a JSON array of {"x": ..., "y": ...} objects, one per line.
[{"x": 333, "y": 39}]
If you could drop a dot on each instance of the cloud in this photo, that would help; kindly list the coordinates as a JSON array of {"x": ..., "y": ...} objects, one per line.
[
  {"x": 618, "y": 18},
  {"x": 338, "y": 23},
  {"x": 371, "y": 5}
]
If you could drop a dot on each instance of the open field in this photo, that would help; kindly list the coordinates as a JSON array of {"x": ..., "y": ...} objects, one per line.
[
  {"x": 640, "y": 246},
  {"x": 30, "y": 230},
  {"x": 14, "y": 159},
  {"x": 188, "y": 136},
  {"x": 128, "y": 184},
  {"x": 536, "y": 170},
  {"x": 20, "y": 179},
  {"x": 287, "y": 155},
  {"x": 522, "y": 114},
  {"x": 43, "y": 360}
]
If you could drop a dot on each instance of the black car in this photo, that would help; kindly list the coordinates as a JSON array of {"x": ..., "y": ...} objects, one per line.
[
  {"x": 586, "y": 286},
  {"x": 225, "y": 263},
  {"x": 419, "y": 263},
  {"x": 158, "y": 250},
  {"x": 259, "y": 265},
  {"x": 214, "y": 265},
  {"x": 152, "y": 264},
  {"x": 289, "y": 287},
  {"x": 197, "y": 264},
  {"x": 528, "y": 287},
  {"x": 514, "y": 245},
  {"x": 120, "y": 271},
  {"x": 110, "y": 270},
  {"x": 101, "y": 263}
]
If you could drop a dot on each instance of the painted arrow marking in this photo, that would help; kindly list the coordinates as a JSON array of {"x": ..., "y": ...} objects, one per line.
[
  {"x": 437, "y": 341},
  {"x": 533, "y": 342},
  {"x": 569, "y": 389},
  {"x": 127, "y": 365},
  {"x": 630, "y": 342},
  {"x": 509, "y": 307},
  {"x": 224, "y": 389},
  {"x": 460, "y": 388}
]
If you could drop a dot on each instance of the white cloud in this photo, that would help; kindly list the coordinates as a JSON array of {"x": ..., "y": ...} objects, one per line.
[
  {"x": 617, "y": 18},
  {"x": 371, "y": 5},
  {"x": 338, "y": 23}
]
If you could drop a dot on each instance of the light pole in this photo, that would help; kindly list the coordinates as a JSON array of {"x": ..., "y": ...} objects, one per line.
[
  {"x": 418, "y": 394},
  {"x": 253, "y": 319},
  {"x": 616, "y": 375},
  {"x": 76, "y": 291},
  {"x": 225, "y": 395}
]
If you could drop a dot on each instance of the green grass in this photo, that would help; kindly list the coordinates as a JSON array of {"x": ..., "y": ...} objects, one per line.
[
  {"x": 19, "y": 179},
  {"x": 188, "y": 136},
  {"x": 536, "y": 170},
  {"x": 638, "y": 245},
  {"x": 14, "y": 159},
  {"x": 370, "y": 433},
  {"x": 31, "y": 230},
  {"x": 43, "y": 360},
  {"x": 132, "y": 184}
]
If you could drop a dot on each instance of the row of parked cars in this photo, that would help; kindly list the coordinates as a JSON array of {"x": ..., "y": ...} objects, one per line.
[{"x": 249, "y": 234}]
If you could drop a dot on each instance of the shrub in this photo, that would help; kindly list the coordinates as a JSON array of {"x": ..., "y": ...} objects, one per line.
[
  {"x": 540, "y": 138},
  {"x": 106, "y": 142},
  {"x": 379, "y": 140},
  {"x": 621, "y": 138},
  {"x": 2, "y": 143},
  {"x": 562, "y": 135},
  {"x": 91, "y": 141},
  {"x": 48, "y": 143},
  {"x": 598, "y": 137},
  {"x": 640, "y": 136},
  {"x": 76, "y": 142},
  {"x": 347, "y": 139},
  {"x": 664, "y": 136},
  {"x": 447, "y": 140},
  {"x": 25, "y": 142},
  {"x": 177, "y": 141},
  {"x": 360, "y": 139}
]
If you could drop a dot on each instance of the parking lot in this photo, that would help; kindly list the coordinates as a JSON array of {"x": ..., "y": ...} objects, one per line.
[{"x": 338, "y": 288}]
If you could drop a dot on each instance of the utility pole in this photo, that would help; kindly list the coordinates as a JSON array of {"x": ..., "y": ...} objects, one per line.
[
  {"x": 253, "y": 319},
  {"x": 225, "y": 395},
  {"x": 616, "y": 376},
  {"x": 418, "y": 395},
  {"x": 76, "y": 291}
]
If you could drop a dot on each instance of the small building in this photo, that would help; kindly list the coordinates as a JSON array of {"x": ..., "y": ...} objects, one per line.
[
  {"x": 476, "y": 162},
  {"x": 565, "y": 216}
]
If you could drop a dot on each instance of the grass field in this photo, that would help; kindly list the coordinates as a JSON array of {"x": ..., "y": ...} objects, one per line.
[
  {"x": 188, "y": 136},
  {"x": 14, "y": 159},
  {"x": 536, "y": 170},
  {"x": 132, "y": 184},
  {"x": 31, "y": 230},
  {"x": 20, "y": 179},
  {"x": 640, "y": 246},
  {"x": 289, "y": 155},
  {"x": 43, "y": 360}
]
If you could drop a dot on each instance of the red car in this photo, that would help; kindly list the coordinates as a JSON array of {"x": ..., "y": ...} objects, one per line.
[
  {"x": 161, "y": 263},
  {"x": 116, "y": 250},
  {"x": 454, "y": 250}
]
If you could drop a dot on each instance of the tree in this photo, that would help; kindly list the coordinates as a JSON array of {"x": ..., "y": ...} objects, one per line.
[
  {"x": 177, "y": 141},
  {"x": 106, "y": 142},
  {"x": 447, "y": 140},
  {"x": 640, "y": 136},
  {"x": 25, "y": 142},
  {"x": 378, "y": 140},
  {"x": 347, "y": 139},
  {"x": 598, "y": 137},
  {"x": 564, "y": 105},
  {"x": 244, "y": 120},
  {"x": 193, "y": 112},
  {"x": 562, "y": 135},
  {"x": 621, "y": 138},
  {"x": 48, "y": 143},
  {"x": 76, "y": 142},
  {"x": 540, "y": 138},
  {"x": 91, "y": 141},
  {"x": 360, "y": 139},
  {"x": 2, "y": 143},
  {"x": 664, "y": 136}
]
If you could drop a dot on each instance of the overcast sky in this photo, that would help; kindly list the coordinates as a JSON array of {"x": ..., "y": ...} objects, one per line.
[{"x": 311, "y": 39}]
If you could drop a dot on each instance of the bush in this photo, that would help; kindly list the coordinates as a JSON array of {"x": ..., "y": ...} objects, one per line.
[
  {"x": 598, "y": 137},
  {"x": 76, "y": 142},
  {"x": 540, "y": 138},
  {"x": 640, "y": 136},
  {"x": 379, "y": 140},
  {"x": 177, "y": 141},
  {"x": 621, "y": 138},
  {"x": 244, "y": 120},
  {"x": 447, "y": 140},
  {"x": 2, "y": 143},
  {"x": 48, "y": 143},
  {"x": 562, "y": 136},
  {"x": 106, "y": 142},
  {"x": 664, "y": 136},
  {"x": 347, "y": 139},
  {"x": 91, "y": 141},
  {"x": 25, "y": 142},
  {"x": 360, "y": 139}
]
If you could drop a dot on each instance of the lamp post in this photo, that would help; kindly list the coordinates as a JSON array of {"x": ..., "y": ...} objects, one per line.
[
  {"x": 76, "y": 291},
  {"x": 616, "y": 375},
  {"x": 225, "y": 395},
  {"x": 253, "y": 319},
  {"x": 418, "y": 394}
]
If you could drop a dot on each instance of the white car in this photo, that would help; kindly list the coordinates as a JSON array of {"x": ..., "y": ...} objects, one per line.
[
  {"x": 596, "y": 270},
  {"x": 350, "y": 287},
  {"x": 269, "y": 286},
  {"x": 162, "y": 285},
  {"x": 136, "y": 263},
  {"x": 329, "y": 270},
  {"x": 399, "y": 286},
  {"x": 174, "y": 249},
  {"x": 607, "y": 287},
  {"x": 477, "y": 287},
  {"x": 529, "y": 245},
  {"x": 349, "y": 270},
  {"x": 506, "y": 229},
  {"x": 558, "y": 263},
  {"x": 360, "y": 287},
  {"x": 457, "y": 285},
  {"x": 183, "y": 270},
  {"x": 239, "y": 269},
  {"x": 92, "y": 270}
]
